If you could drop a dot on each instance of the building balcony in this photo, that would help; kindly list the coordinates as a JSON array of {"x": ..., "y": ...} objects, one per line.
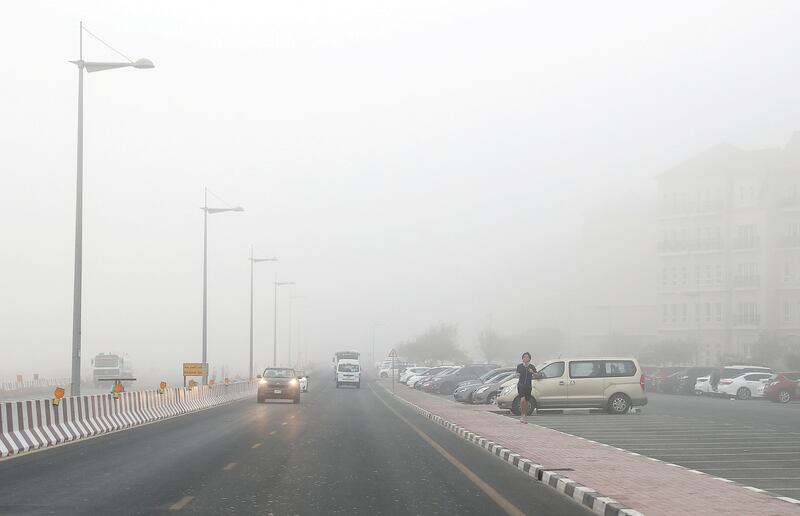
[
  {"x": 790, "y": 241},
  {"x": 690, "y": 246},
  {"x": 693, "y": 209},
  {"x": 746, "y": 319},
  {"x": 790, "y": 203},
  {"x": 746, "y": 281},
  {"x": 749, "y": 242}
]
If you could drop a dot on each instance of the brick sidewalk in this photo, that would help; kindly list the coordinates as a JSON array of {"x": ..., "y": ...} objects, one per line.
[{"x": 648, "y": 486}]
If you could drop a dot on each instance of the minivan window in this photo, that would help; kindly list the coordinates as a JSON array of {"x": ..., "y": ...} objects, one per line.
[
  {"x": 586, "y": 369},
  {"x": 348, "y": 368},
  {"x": 554, "y": 370},
  {"x": 621, "y": 368}
]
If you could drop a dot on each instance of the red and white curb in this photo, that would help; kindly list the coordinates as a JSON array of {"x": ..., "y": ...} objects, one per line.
[
  {"x": 586, "y": 496},
  {"x": 34, "y": 424}
]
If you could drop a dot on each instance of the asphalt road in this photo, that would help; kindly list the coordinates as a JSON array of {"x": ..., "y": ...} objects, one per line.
[
  {"x": 340, "y": 451},
  {"x": 753, "y": 442}
]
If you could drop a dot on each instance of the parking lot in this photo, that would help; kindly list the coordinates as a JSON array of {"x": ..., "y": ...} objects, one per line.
[{"x": 755, "y": 443}]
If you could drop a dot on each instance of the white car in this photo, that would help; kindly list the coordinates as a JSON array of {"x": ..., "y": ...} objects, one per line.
[
  {"x": 412, "y": 371},
  {"x": 745, "y": 386},
  {"x": 703, "y": 384}
]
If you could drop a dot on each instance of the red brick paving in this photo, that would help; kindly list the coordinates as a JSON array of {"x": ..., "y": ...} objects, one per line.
[{"x": 653, "y": 488}]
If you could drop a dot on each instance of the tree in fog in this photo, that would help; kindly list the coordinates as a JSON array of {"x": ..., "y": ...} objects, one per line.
[
  {"x": 438, "y": 344},
  {"x": 492, "y": 345}
]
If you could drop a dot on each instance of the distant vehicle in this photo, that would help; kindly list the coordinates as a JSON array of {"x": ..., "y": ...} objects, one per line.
[
  {"x": 447, "y": 384},
  {"x": 411, "y": 371},
  {"x": 110, "y": 366},
  {"x": 744, "y": 386},
  {"x": 464, "y": 390},
  {"x": 348, "y": 372},
  {"x": 682, "y": 381},
  {"x": 278, "y": 383},
  {"x": 415, "y": 379},
  {"x": 343, "y": 355},
  {"x": 782, "y": 387},
  {"x": 398, "y": 366},
  {"x": 302, "y": 377},
  {"x": 613, "y": 384},
  {"x": 703, "y": 384}
]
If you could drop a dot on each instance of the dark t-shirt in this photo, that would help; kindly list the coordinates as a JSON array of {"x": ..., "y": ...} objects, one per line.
[{"x": 525, "y": 375}]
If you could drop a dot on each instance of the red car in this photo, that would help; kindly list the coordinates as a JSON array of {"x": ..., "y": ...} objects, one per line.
[{"x": 782, "y": 387}]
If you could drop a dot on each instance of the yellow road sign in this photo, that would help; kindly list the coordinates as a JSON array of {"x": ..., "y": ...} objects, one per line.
[{"x": 195, "y": 369}]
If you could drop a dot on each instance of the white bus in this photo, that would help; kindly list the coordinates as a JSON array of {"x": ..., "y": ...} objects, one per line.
[{"x": 343, "y": 355}]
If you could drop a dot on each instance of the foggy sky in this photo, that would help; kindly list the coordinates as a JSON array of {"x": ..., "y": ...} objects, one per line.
[{"x": 409, "y": 162}]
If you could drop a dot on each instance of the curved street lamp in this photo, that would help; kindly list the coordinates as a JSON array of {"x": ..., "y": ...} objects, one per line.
[{"x": 89, "y": 66}]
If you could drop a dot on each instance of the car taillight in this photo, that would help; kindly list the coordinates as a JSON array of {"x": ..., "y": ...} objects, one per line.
[
  {"x": 726, "y": 382},
  {"x": 641, "y": 381}
]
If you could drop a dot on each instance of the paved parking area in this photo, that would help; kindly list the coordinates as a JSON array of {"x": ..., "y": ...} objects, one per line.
[{"x": 739, "y": 441}]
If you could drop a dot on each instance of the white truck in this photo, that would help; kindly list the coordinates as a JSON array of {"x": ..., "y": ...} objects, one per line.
[
  {"x": 107, "y": 367},
  {"x": 348, "y": 372},
  {"x": 343, "y": 355}
]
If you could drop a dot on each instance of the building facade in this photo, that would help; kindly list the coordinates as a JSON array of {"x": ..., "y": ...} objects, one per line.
[{"x": 729, "y": 250}]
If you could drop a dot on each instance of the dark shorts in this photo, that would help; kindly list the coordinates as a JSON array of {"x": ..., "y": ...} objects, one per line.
[{"x": 524, "y": 391}]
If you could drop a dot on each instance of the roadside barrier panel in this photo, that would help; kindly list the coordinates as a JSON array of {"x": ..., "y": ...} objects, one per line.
[{"x": 33, "y": 424}]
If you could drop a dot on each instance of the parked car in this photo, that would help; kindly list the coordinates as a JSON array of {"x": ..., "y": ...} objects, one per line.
[
  {"x": 782, "y": 387},
  {"x": 683, "y": 380},
  {"x": 487, "y": 393},
  {"x": 744, "y": 386},
  {"x": 411, "y": 371},
  {"x": 416, "y": 380},
  {"x": 386, "y": 371},
  {"x": 660, "y": 376},
  {"x": 465, "y": 389},
  {"x": 280, "y": 383},
  {"x": 703, "y": 384},
  {"x": 446, "y": 384},
  {"x": 614, "y": 384},
  {"x": 427, "y": 384}
]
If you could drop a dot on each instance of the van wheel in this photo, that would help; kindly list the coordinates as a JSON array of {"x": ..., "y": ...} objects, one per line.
[
  {"x": 619, "y": 404},
  {"x": 384, "y": 375},
  {"x": 784, "y": 396},
  {"x": 698, "y": 392},
  {"x": 492, "y": 398},
  {"x": 358, "y": 385},
  {"x": 743, "y": 393},
  {"x": 515, "y": 406}
]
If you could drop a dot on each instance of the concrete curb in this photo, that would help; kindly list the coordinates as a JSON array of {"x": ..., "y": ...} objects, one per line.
[{"x": 586, "y": 496}]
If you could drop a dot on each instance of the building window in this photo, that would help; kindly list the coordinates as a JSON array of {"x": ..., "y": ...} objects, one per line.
[
  {"x": 787, "y": 311},
  {"x": 697, "y": 313},
  {"x": 719, "y": 312},
  {"x": 684, "y": 276},
  {"x": 664, "y": 276},
  {"x": 675, "y": 276},
  {"x": 664, "y": 314},
  {"x": 674, "y": 310},
  {"x": 719, "y": 274},
  {"x": 708, "y": 275},
  {"x": 787, "y": 272},
  {"x": 697, "y": 274},
  {"x": 683, "y": 313},
  {"x": 708, "y": 312}
]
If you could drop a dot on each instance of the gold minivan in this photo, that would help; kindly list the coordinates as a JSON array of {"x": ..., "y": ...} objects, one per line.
[{"x": 614, "y": 384}]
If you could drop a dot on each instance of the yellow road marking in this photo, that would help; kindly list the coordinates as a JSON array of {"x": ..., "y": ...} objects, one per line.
[
  {"x": 180, "y": 504},
  {"x": 229, "y": 466},
  {"x": 491, "y": 492},
  {"x": 256, "y": 445}
]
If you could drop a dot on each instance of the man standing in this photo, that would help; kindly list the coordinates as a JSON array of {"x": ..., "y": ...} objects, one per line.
[{"x": 526, "y": 372}]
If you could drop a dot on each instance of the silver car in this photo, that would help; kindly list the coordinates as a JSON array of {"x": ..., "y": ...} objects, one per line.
[{"x": 487, "y": 392}]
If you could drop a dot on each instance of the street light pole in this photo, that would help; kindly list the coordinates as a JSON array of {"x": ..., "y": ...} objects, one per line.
[
  {"x": 252, "y": 262},
  {"x": 275, "y": 320},
  {"x": 206, "y": 212},
  {"x": 77, "y": 292}
]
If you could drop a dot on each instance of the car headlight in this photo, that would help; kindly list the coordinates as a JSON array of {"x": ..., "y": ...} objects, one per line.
[
  {"x": 263, "y": 381},
  {"x": 506, "y": 390},
  {"x": 293, "y": 381},
  {"x": 481, "y": 390}
]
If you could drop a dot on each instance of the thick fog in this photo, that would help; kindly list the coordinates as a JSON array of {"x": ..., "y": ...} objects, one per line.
[{"x": 410, "y": 163}]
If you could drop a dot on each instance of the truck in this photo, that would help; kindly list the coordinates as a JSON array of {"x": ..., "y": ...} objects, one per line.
[
  {"x": 110, "y": 366},
  {"x": 343, "y": 355}
]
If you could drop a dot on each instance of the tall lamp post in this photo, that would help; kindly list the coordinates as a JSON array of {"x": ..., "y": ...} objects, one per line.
[
  {"x": 89, "y": 66},
  {"x": 275, "y": 320},
  {"x": 372, "y": 353},
  {"x": 206, "y": 212},
  {"x": 252, "y": 262}
]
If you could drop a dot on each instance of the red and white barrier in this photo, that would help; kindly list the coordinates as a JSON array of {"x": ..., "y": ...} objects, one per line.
[{"x": 29, "y": 425}]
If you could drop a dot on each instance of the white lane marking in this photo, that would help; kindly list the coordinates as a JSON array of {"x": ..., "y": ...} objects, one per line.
[
  {"x": 283, "y": 424},
  {"x": 256, "y": 445},
  {"x": 229, "y": 466},
  {"x": 273, "y": 432},
  {"x": 180, "y": 504}
]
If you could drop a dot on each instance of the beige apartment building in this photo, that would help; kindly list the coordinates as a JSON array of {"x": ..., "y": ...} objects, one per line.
[{"x": 729, "y": 250}]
